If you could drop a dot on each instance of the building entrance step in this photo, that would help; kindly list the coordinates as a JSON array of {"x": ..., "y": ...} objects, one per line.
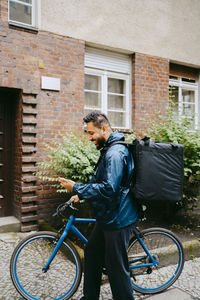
[{"x": 9, "y": 224}]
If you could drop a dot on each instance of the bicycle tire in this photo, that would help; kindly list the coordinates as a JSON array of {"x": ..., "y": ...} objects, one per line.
[
  {"x": 63, "y": 276},
  {"x": 166, "y": 247}
]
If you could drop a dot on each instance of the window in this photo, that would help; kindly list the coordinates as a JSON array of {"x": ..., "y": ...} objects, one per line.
[
  {"x": 108, "y": 92},
  {"x": 185, "y": 92},
  {"x": 24, "y": 13},
  {"x": 107, "y": 85}
]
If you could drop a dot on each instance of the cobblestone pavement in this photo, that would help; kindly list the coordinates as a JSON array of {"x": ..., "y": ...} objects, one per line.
[{"x": 189, "y": 280}]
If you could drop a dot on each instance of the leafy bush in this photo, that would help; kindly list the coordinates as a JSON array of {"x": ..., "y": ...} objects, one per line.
[
  {"x": 73, "y": 158},
  {"x": 177, "y": 129}
]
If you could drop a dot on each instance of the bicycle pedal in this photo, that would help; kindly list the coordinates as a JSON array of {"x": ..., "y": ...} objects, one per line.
[{"x": 149, "y": 270}]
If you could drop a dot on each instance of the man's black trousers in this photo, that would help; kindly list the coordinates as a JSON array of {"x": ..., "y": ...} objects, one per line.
[{"x": 108, "y": 248}]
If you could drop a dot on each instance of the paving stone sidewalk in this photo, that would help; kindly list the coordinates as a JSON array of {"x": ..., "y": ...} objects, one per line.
[{"x": 186, "y": 287}]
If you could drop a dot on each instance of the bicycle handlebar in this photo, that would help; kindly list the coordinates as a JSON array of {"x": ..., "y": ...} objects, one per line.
[{"x": 62, "y": 207}]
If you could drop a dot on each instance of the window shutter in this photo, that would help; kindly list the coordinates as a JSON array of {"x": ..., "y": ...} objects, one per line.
[{"x": 107, "y": 60}]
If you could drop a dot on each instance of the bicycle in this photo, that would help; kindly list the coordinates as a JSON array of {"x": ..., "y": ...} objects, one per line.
[{"x": 46, "y": 265}]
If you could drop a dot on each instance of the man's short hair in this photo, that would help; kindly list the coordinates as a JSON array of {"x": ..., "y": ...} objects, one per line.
[{"x": 99, "y": 119}]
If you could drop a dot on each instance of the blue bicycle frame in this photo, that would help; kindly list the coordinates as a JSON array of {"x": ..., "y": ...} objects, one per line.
[
  {"x": 70, "y": 227},
  {"x": 153, "y": 261}
]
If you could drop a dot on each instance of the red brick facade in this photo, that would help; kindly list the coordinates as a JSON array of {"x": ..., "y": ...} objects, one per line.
[
  {"x": 42, "y": 116},
  {"x": 150, "y": 88}
]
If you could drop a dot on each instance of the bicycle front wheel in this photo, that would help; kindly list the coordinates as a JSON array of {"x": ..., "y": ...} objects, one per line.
[
  {"x": 166, "y": 248},
  {"x": 28, "y": 260}
]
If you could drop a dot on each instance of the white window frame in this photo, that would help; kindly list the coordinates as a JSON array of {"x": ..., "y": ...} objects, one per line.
[
  {"x": 35, "y": 12},
  {"x": 104, "y": 92},
  {"x": 191, "y": 87}
]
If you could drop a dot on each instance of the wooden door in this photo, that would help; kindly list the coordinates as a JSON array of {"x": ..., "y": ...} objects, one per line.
[{"x": 7, "y": 105}]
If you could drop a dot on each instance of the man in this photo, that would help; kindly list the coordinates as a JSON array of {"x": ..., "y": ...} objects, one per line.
[{"x": 114, "y": 210}]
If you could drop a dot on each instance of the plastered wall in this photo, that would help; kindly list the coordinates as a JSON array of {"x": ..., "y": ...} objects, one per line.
[{"x": 163, "y": 28}]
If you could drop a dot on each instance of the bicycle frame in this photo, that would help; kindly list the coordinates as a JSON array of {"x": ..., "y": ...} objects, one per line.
[
  {"x": 153, "y": 263},
  {"x": 70, "y": 227}
]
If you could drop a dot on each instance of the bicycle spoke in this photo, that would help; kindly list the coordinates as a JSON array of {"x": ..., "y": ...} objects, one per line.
[
  {"x": 166, "y": 250},
  {"x": 31, "y": 257}
]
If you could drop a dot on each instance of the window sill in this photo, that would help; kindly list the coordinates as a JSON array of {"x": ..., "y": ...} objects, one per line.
[
  {"x": 24, "y": 26},
  {"x": 123, "y": 130}
]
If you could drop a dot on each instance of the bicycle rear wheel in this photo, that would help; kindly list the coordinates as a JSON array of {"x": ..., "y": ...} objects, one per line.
[
  {"x": 167, "y": 249},
  {"x": 28, "y": 259}
]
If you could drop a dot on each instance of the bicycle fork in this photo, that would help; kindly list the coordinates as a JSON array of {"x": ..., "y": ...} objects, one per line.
[{"x": 59, "y": 243}]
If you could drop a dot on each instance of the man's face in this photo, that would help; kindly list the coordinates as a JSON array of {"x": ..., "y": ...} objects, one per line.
[{"x": 96, "y": 135}]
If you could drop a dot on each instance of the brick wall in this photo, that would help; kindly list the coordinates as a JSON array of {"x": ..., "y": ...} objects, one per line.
[
  {"x": 29, "y": 200},
  {"x": 17, "y": 171},
  {"x": 150, "y": 79},
  {"x": 62, "y": 111},
  {"x": 41, "y": 116}
]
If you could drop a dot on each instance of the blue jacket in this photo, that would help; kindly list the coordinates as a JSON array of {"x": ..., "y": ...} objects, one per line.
[{"x": 109, "y": 188}]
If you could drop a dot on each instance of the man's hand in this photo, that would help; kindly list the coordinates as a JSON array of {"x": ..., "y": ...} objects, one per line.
[
  {"x": 75, "y": 198},
  {"x": 67, "y": 184}
]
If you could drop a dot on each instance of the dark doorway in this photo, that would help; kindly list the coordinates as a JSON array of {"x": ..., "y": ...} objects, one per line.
[{"x": 8, "y": 101}]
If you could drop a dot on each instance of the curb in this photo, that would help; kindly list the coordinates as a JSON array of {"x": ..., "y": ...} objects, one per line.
[{"x": 192, "y": 249}]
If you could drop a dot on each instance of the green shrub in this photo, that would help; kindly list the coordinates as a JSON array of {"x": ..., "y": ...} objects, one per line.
[{"x": 73, "y": 158}]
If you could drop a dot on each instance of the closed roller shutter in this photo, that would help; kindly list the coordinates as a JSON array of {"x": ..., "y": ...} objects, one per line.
[{"x": 107, "y": 60}]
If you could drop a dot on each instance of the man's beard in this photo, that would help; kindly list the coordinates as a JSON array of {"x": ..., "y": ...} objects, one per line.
[{"x": 101, "y": 142}]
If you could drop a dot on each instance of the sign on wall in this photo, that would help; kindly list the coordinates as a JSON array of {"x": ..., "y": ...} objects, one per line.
[{"x": 50, "y": 83}]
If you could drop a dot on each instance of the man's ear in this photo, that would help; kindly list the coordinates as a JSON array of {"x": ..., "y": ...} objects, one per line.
[{"x": 104, "y": 129}]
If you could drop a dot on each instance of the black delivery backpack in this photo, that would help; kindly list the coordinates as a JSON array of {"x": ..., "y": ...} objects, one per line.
[{"x": 159, "y": 170}]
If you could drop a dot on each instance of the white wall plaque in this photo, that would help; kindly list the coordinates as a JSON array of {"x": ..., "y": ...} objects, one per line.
[{"x": 50, "y": 83}]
